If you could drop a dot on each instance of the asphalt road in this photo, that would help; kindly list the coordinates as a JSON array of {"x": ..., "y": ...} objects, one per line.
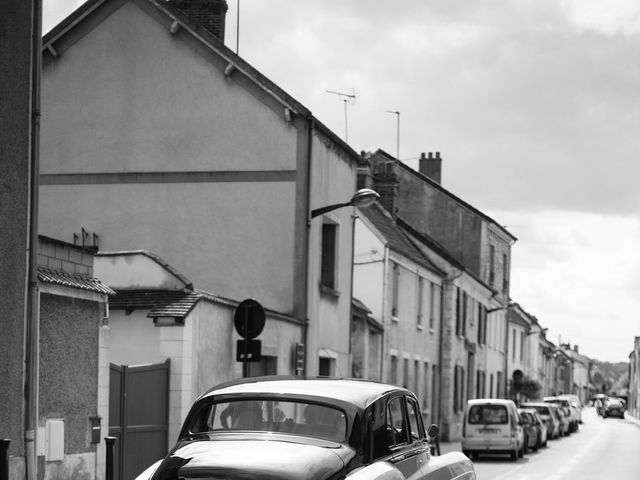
[{"x": 601, "y": 449}]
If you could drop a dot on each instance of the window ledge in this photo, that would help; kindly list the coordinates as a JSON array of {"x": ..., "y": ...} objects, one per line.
[
  {"x": 432, "y": 331},
  {"x": 419, "y": 327},
  {"x": 394, "y": 318},
  {"x": 328, "y": 291}
]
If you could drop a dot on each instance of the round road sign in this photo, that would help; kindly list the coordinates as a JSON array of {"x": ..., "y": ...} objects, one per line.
[{"x": 249, "y": 318}]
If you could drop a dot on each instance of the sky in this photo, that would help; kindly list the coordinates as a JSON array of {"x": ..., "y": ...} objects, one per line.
[{"x": 534, "y": 106}]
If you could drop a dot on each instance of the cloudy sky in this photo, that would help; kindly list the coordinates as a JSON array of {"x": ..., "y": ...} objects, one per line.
[{"x": 533, "y": 104}]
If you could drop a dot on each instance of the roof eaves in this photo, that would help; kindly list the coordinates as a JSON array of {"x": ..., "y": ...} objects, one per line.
[{"x": 82, "y": 282}]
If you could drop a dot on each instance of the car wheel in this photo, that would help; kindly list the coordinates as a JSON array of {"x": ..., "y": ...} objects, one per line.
[
  {"x": 514, "y": 455},
  {"x": 536, "y": 447}
]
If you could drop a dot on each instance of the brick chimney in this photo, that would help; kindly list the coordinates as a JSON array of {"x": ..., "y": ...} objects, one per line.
[
  {"x": 384, "y": 172},
  {"x": 431, "y": 166},
  {"x": 208, "y": 14}
]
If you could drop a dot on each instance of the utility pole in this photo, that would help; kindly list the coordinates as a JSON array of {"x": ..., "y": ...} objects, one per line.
[
  {"x": 397, "y": 114},
  {"x": 344, "y": 97}
]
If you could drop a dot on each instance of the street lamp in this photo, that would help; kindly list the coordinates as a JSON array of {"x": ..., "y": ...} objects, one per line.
[{"x": 362, "y": 198}]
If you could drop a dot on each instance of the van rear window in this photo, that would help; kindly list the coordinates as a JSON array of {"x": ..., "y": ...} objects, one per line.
[{"x": 488, "y": 415}]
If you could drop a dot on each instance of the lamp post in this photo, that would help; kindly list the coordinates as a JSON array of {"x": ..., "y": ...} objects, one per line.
[{"x": 362, "y": 198}]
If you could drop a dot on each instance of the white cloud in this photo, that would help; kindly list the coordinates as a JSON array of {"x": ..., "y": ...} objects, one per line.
[
  {"x": 610, "y": 17},
  {"x": 579, "y": 275}
]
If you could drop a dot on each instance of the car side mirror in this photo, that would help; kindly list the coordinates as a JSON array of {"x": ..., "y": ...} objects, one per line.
[{"x": 433, "y": 431}]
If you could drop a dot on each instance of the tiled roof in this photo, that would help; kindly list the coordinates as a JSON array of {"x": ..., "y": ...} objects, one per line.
[
  {"x": 394, "y": 236},
  {"x": 161, "y": 303},
  {"x": 73, "y": 280}
]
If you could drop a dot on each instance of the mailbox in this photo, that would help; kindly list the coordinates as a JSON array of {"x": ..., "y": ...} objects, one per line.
[{"x": 94, "y": 424}]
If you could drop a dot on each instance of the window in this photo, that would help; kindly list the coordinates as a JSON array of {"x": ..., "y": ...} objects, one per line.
[
  {"x": 488, "y": 415},
  {"x": 505, "y": 274},
  {"x": 329, "y": 255},
  {"x": 425, "y": 396},
  {"x": 513, "y": 343},
  {"x": 393, "y": 371},
  {"x": 415, "y": 421},
  {"x": 325, "y": 367},
  {"x": 416, "y": 377},
  {"x": 420, "y": 299},
  {"x": 480, "y": 384},
  {"x": 482, "y": 324},
  {"x": 395, "y": 289},
  {"x": 491, "y": 385},
  {"x": 395, "y": 423},
  {"x": 434, "y": 393},
  {"x": 405, "y": 373},
  {"x": 499, "y": 385},
  {"x": 461, "y": 312},
  {"x": 432, "y": 305},
  {"x": 492, "y": 265},
  {"x": 521, "y": 346},
  {"x": 458, "y": 389}
]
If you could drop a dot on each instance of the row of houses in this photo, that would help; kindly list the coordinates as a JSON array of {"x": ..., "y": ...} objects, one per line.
[
  {"x": 176, "y": 181},
  {"x": 633, "y": 405}
]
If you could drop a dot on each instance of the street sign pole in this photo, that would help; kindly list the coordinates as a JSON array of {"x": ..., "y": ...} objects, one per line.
[{"x": 245, "y": 357}]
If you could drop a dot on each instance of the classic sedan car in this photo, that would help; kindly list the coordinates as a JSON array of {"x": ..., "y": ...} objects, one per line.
[{"x": 292, "y": 428}]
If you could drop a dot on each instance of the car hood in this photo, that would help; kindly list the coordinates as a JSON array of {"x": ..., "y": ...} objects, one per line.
[{"x": 245, "y": 459}]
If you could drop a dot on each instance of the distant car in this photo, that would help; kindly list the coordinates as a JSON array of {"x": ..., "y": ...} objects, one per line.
[
  {"x": 492, "y": 425},
  {"x": 562, "y": 417},
  {"x": 613, "y": 407},
  {"x": 551, "y": 421},
  {"x": 293, "y": 428},
  {"x": 532, "y": 436}
]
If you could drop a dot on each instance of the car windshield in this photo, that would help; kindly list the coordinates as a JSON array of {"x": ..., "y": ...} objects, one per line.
[
  {"x": 488, "y": 415},
  {"x": 270, "y": 415}
]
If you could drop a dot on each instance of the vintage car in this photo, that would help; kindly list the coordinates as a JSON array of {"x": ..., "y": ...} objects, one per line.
[{"x": 291, "y": 428}]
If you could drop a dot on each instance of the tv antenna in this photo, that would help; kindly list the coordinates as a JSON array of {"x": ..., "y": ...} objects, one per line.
[
  {"x": 345, "y": 97},
  {"x": 397, "y": 114}
]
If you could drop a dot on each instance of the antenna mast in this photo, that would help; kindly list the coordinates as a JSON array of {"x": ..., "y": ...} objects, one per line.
[
  {"x": 397, "y": 114},
  {"x": 344, "y": 97}
]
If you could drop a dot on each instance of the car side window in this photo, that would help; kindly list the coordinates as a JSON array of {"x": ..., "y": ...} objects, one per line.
[
  {"x": 396, "y": 425},
  {"x": 415, "y": 420}
]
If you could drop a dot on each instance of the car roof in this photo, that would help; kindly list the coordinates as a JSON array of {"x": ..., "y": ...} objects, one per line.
[
  {"x": 355, "y": 391},
  {"x": 496, "y": 401}
]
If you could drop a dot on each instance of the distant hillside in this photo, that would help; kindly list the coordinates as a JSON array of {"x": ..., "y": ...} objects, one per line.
[{"x": 609, "y": 377}]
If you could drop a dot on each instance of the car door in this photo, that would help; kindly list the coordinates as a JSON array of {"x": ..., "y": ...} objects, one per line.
[{"x": 406, "y": 438}]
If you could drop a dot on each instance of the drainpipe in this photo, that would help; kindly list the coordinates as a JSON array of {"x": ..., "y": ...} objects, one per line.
[
  {"x": 32, "y": 320},
  {"x": 385, "y": 324},
  {"x": 305, "y": 327}
]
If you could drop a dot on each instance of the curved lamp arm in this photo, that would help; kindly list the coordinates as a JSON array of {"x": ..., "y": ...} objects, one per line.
[{"x": 362, "y": 198}]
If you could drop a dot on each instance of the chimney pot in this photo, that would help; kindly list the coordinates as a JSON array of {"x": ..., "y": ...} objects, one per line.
[
  {"x": 431, "y": 166},
  {"x": 207, "y": 14}
]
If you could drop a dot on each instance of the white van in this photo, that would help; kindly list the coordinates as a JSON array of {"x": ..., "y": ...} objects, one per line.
[{"x": 492, "y": 425}]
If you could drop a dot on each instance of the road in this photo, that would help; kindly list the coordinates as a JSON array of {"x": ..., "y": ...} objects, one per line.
[{"x": 601, "y": 449}]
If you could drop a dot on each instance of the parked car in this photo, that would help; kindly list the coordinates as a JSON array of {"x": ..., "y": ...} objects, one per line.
[
  {"x": 613, "y": 407},
  {"x": 492, "y": 425},
  {"x": 551, "y": 421},
  {"x": 291, "y": 428},
  {"x": 569, "y": 411},
  {"x": 575, "y": 402},
  {"x": 531, "y": 430}
]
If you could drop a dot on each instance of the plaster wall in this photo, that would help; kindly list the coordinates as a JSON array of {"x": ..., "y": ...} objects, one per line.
[
  {"x": 368, "y": 270},
  {"x": 131, "y": 99},
  {"x": 133, "y": 338},
  {"x": 333, "y": 178}
]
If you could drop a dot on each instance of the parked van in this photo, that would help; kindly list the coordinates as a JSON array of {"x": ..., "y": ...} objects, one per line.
[{"x": 492, "y": 425}]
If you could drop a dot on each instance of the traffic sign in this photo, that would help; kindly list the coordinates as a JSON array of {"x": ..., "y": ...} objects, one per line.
[
  {"x": 249, "y": 318},
  {"x": 248, "y": 350}
]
